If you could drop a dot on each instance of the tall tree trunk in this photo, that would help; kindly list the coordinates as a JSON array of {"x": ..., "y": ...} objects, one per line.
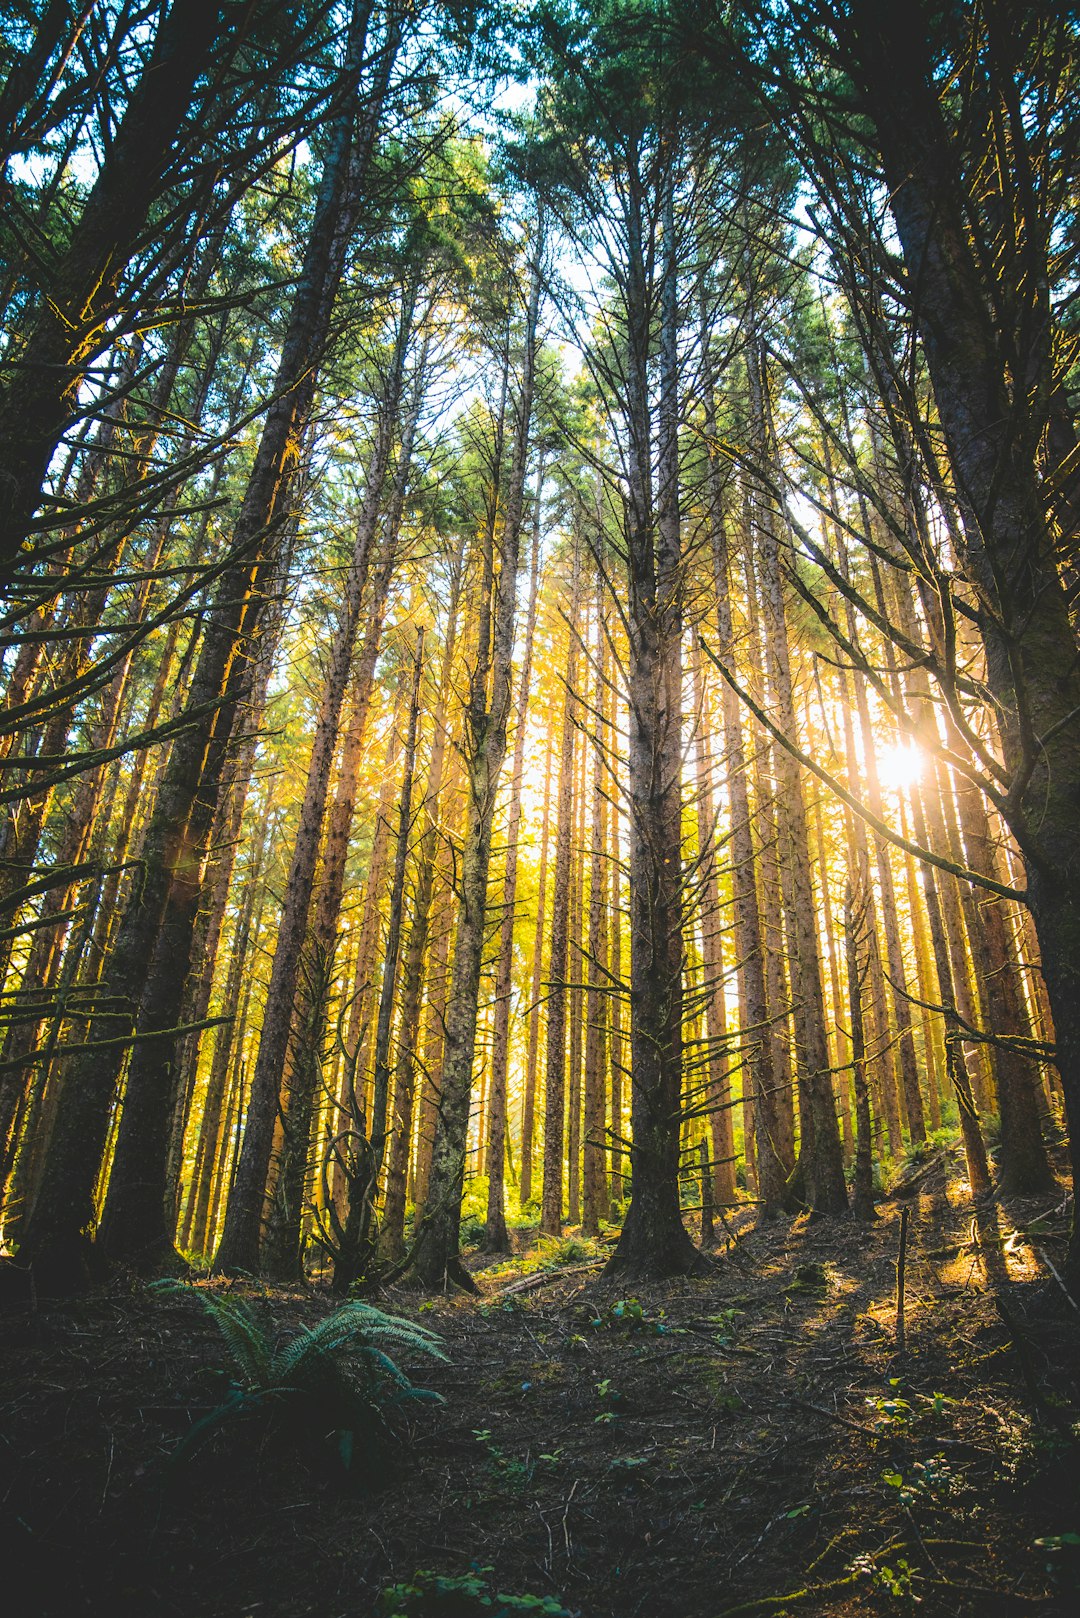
[
  {"x": 382, "y": 1068},
  {"x": 862, "y": 1202},
  {"x": 653, "y": 1240},
  {"x": 993, "y": 444},
  {"x": 412, "y": 977},
  {"x": 436, "y": 1259},
  {"x": 759, "y": 1072},
  {"x": 304, "y": 1066},
  {"x": 717, "y": 1094},
  {"x": 241, "y": 1236},
  {"x": 213, "y": 1123},
  {"x": 551, "y": 1206},
  {"x": 532, "y": 1054},
  {"x": 495, "y": 1234},
  {"x": 574, "y": 996},
  {"x": 1025, "y": 1169},
  {"x": 821, "y": 1161},
  {"x": 594, "y": 1200},
  {"x": 162, "y": 911}
]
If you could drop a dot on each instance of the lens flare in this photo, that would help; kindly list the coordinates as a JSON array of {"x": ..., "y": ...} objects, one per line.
[{"x": 899, "y": 766}]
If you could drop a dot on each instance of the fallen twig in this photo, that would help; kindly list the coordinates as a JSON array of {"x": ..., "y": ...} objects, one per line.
[
  {"x": 834, "y": 1415},
  {"x": 762, "y": 1603},
  {"x": 547, "y": 1278},
  {"x": 1057, "y": 1278}
]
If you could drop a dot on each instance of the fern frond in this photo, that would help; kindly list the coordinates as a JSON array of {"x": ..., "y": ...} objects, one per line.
[
  {"x": 244, "y": 1338},
  {"x": 338, "y": 1371},
  {"x": 385, "y": 1365},
  {"x": 353, "y": 1326}
]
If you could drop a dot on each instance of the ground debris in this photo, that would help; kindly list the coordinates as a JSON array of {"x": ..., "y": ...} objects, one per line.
[{"x": 712, "y": 1446}]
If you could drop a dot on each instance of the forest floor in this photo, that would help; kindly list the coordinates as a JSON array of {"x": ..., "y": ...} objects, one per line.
[{"x": 748, "y": 1442}]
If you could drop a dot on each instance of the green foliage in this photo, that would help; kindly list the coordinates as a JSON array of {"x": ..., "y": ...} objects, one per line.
[
  {"x": 627, "y": 1314},
  {"x": 511, "y": 1472},
  {"x": 474, "y": 1212},
  {"x": 898, "y": 1580},
  {"x": 724, "y": 1321},
  {"x": 336, "y": 1377},
  {"x": 930, "y": 1480},
  {"x": 468, "y": 1595},
  {"x": 889, "y": 1169},
  {"x": 549, "y": 1253},
  {"x": 572, "y": 1250},
  {"x": 893, "y": 1412}
]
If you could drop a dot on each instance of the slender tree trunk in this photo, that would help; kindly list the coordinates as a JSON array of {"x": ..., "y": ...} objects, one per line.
[
  {"x": 304, "y": 1066},
  {"x": 653, "y": 1240},
  {"x": 436, "y": 1259},
  {"x": 862, "y": 1202},
  {"x": 551, "y": 1206},
  {"x": 241, "y": 1236},
  {"x": 495, "y": 1234},
  {"x": 381, "y": 1097},
  {"x": 760, "y": 1077},
  {"x": 594, "y": 1201},
  {"x": 820, "y": 1155},
  {"x": 532, "y": 1057},
  {"x": 156, "y": 926},
  {"x": 212, "y": 1127},
  {"x": 718, "y": 1092},
  {"x": 412, "y": 986},
  {"x": 575, "y": 998},
  {"x": 1025, "y": 1169}
]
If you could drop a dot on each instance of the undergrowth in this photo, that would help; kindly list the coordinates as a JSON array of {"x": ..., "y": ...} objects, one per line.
[{"x": 336, "y": 1378}]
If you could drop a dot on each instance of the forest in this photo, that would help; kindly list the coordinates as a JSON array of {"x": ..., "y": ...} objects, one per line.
[{"x": 539, "y": 807}]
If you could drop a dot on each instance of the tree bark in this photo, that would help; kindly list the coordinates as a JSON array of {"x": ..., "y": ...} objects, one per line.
[
  {"x": 243, "y": 1221},
  {"x": 165, "y": 902},
  {"x": 496, "y": 1239},
  {"x": 993, "y": 444},
  {"x": 436, "y": 1258},
  {"x": 653, "y": 1240},
  {"x": 551, "y": 1205}
]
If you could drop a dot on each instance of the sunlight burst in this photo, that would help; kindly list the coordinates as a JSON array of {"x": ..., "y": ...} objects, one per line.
[{"x": 900, "y": 765}]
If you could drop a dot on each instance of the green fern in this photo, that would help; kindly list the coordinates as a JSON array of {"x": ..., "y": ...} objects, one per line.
[{"x": 335, "y": 1377}]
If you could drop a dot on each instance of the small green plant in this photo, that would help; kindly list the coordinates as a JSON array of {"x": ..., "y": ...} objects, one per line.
[
  {"x": 933, "y": 1479},
  {"x": 571, "y": 1250},
  {"x": 509, "y": 1471},
  {"x": 892, "y": 1411},
  {"x": 505, "y": 1306},
  {"x": 468, "y": 1595},
  {"x": 336, "y": 1377},
  {"x": 609, "y": 1396},
  {"x": 630, "y": 1468},
  {"x": 897, "y": 1580},
  {"x": 627, "y": 1314},
  {"x": 724, "y": 1321}
]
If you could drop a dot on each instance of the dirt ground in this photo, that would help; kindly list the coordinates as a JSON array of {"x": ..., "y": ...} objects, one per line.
[{"x": 749, "y": 1442}]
